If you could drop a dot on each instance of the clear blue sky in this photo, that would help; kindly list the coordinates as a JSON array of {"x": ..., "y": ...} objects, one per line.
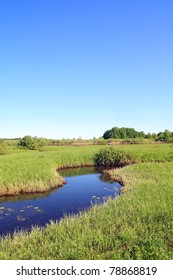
[{"x": 71, "y": 68}]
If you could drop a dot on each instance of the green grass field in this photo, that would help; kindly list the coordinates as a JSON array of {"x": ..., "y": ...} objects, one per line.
[
  {"x": 31, "y": 171},
  {"x": 136, "y": 225}
]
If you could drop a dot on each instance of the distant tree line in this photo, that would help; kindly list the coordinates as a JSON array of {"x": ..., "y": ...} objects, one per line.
[{"x": 126, "y": 133}]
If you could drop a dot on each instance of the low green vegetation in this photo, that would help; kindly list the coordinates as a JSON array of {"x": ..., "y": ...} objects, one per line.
[
  {"x": 33, "y": 171},
  {"x": 3, "y": 148},
  {"x": 32, "y": 143},
  {"x": 136, "y": 225},
  {"x": 110, "y": 157},
  {"x": 23, "y": 170}
]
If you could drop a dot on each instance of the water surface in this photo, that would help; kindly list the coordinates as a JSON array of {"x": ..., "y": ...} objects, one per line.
[{"x": 85, "y": 187}]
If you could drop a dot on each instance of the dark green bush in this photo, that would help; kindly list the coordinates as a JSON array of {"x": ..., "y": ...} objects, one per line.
[{"x": 110, "y": 157}]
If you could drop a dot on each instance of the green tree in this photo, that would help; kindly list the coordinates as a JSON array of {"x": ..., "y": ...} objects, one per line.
[
  {"x": 115, "y": 133},
  {"x": 141, "y": 134},
  {"x": 107, "y": 134},
  {"x": 167, "y": 135},
  {"x": 123, "y": 132},
  {"x": 148, "y": 135},
  {"x": 160, "y": 136}
]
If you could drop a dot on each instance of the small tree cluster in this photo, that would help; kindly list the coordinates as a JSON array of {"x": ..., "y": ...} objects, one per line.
[
  {"x": 110, "y": 157},
  {"x": 122, "y": 133},
  {"x": 32, "y": 143}
]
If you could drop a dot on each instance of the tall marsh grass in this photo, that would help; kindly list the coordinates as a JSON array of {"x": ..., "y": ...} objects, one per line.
[
  {"x": 23, "y": 170},
  {"x": 136, "y": 225}
]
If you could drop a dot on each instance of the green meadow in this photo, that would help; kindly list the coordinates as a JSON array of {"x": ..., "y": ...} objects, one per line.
[{"x": 136, "y": 225}]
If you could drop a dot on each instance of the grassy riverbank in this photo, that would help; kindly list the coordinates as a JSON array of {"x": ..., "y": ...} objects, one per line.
[
  {"x": 137, "y": 225},
  {"x": 33, "y": 171}
]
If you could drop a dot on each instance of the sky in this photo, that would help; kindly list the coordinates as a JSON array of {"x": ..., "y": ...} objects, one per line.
[{"x": 76, "y": 68}]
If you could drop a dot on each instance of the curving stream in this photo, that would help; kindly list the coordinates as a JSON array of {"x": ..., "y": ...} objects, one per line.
[{"x": 85, "y": 187}]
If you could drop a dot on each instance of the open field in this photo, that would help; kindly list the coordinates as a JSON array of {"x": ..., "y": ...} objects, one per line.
[
  {"x": 136, "y": 225},
  {"x": 29, "y": 171}
]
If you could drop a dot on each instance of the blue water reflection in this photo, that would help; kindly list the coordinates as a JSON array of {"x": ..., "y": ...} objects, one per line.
[{"x": 85, "y": 187}]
